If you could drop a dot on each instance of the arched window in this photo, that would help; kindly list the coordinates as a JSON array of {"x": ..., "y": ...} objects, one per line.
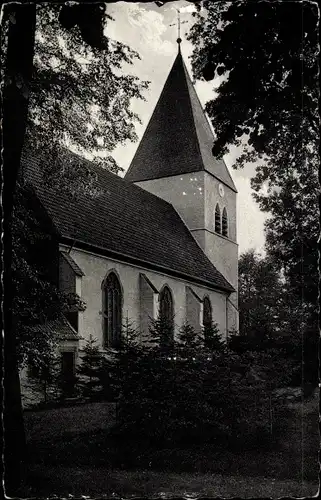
[
  {"x": 224, "y": 223},
  {"x": 207, "y": 322},
  {"x": 217, "y": 219},
  {"x": 112, "y": 310},
  {"x": 207, "y": 312},
  {"x": 166, "y": 315}
]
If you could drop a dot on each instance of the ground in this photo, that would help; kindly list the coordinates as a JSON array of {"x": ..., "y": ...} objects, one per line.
[
  {"x": 99, "y": 482},
  {"x": 69, "y": 455}
]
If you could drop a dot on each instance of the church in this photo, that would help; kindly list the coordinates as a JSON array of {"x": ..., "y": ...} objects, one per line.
[{"x": 159, "y": 242}]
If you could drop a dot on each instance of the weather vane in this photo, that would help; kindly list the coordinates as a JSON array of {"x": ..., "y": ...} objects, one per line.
[{"x": 179, "y": 22}]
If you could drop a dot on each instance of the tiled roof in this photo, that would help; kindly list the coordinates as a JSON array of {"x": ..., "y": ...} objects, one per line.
[
  {"x": 60, "y": 328},
  {"x": 178, "y": 138},
  {"x": 125, "y": 220},
  {"x": 74, "y": 266}
]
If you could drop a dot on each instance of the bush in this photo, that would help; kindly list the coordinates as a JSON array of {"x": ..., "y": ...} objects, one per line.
[
  {"x": 90, "y": 370},
  {"x": 296, "y": 350},
  {"x": 192, "y": 394}
]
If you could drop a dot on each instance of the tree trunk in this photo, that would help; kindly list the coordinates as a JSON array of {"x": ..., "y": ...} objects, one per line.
[{"x": 18, "y": 72}]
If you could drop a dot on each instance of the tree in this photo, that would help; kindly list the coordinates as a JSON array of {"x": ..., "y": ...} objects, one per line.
[
  {"x": 212, "y": 338},
  {"x": 90, "y": 369},
  {"x": 270, "y": 73},
  {"x": 267, "y": 104},
  {"x": 78, "y": 96},
  {"x": 15, "y": 108},
  {"x": 270, "y": 316},
  {"x": 188, "y": 341},
  {"x": 193, "y": 397},
  {"x": 19, "y": 21},
  {"x": 161, "y": 334},
  {"x": 260, "y": 294}
]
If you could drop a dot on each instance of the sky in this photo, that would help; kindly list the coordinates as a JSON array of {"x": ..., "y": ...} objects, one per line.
[{"x": 147, "y": 29}]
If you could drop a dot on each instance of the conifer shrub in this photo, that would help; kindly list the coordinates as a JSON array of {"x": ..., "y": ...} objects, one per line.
[
  {"x": 90, "y": 370},
  {"x": 197, "y": 390}
]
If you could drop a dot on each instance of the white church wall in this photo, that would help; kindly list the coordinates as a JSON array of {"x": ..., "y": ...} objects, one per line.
[
  {"x": 224, "y": 255},
  {"x": 194, "y": 309},
  {"x": 212, "y": 197},
  {"x": 185, "y": 192},
  {"x": 96, "y": 268},
  {"x": 148, "y": 295},
  {"x": 67, "y": 277}
]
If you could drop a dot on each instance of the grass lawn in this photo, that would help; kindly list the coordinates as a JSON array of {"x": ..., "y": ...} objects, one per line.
[
  {"x": 70, "y": 452},
  {"x": 99, "y": 482}
]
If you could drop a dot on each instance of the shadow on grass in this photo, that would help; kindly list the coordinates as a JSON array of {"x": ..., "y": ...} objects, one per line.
[
  {"x": 101, "y": 449},
  {"x": 66, "y": 460}
]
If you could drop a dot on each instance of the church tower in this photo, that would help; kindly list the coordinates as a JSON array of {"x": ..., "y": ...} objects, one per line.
[{"x": 174, "y": 161}]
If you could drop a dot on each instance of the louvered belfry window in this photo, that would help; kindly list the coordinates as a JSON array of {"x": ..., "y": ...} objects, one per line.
[
  {"x": 207, "y": 312},
  {"x": 112, "y": 301},
  {"x": 224, "y": 223},
  {"x": 166, "y": 314},
  {"x": 217, "y": 219}
]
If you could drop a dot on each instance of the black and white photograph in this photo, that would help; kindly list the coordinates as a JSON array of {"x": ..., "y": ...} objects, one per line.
[{"x": 160, "y": 234}]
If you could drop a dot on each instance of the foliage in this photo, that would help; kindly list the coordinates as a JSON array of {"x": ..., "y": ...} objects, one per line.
[
  {"x": 272, "y": 317},
  {"x": 212, "y": 338},
  {"x": 45, "y": 377},
  {"x": 79, "y": 96},
  {"x": 271, "y": 72},
  {"x": 89, "y": 19},
  {"x": 123, "y": 368},
  {"x": 90, "y": 369},
  {"x": 103, "y": 375},
  {"x": 260, "y": 296},
  {"x": 20, "y": 37},
  {"x": 195, "y": 396},
  {"x": 161, "y": 334},
  {"x": 267, "y": 104},
  {"x": 188, "y": 340},
  {"x": 36, "y": 297}
]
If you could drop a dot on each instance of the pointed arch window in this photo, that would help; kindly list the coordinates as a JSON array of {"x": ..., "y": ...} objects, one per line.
[
  {"x": 112, "y": 310},
  {"x": 224, "y": 222},
  {"x": 207, "y": 312},
  {"x": 207, "y": 321},
  {"x": 217, "y": 219},
  {"x": 166, "y": 315}
]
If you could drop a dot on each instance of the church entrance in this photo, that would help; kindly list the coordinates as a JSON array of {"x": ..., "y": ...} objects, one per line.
[{"x": 68, "y": 373}]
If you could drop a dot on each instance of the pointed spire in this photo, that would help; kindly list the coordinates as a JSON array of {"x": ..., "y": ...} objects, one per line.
[{"x": 178, "y": 138}]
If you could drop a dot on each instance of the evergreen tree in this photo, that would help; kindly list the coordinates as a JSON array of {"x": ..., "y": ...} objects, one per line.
[
  {"x": 90, "y": 369},
  {"x": 161, "y": 335},
  {"x": 119, "y": 366},
  {"x": 188, "y": 337},
  {"x": 212, "y": 339},
  {"x": 130, "y": 337}
]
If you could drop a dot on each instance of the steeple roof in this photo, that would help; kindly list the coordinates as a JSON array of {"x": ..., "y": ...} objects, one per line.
[{"x": 178, "y": 138}]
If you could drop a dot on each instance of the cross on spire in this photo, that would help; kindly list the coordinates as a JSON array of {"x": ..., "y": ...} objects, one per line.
[{"x": 178, "y": 24}]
